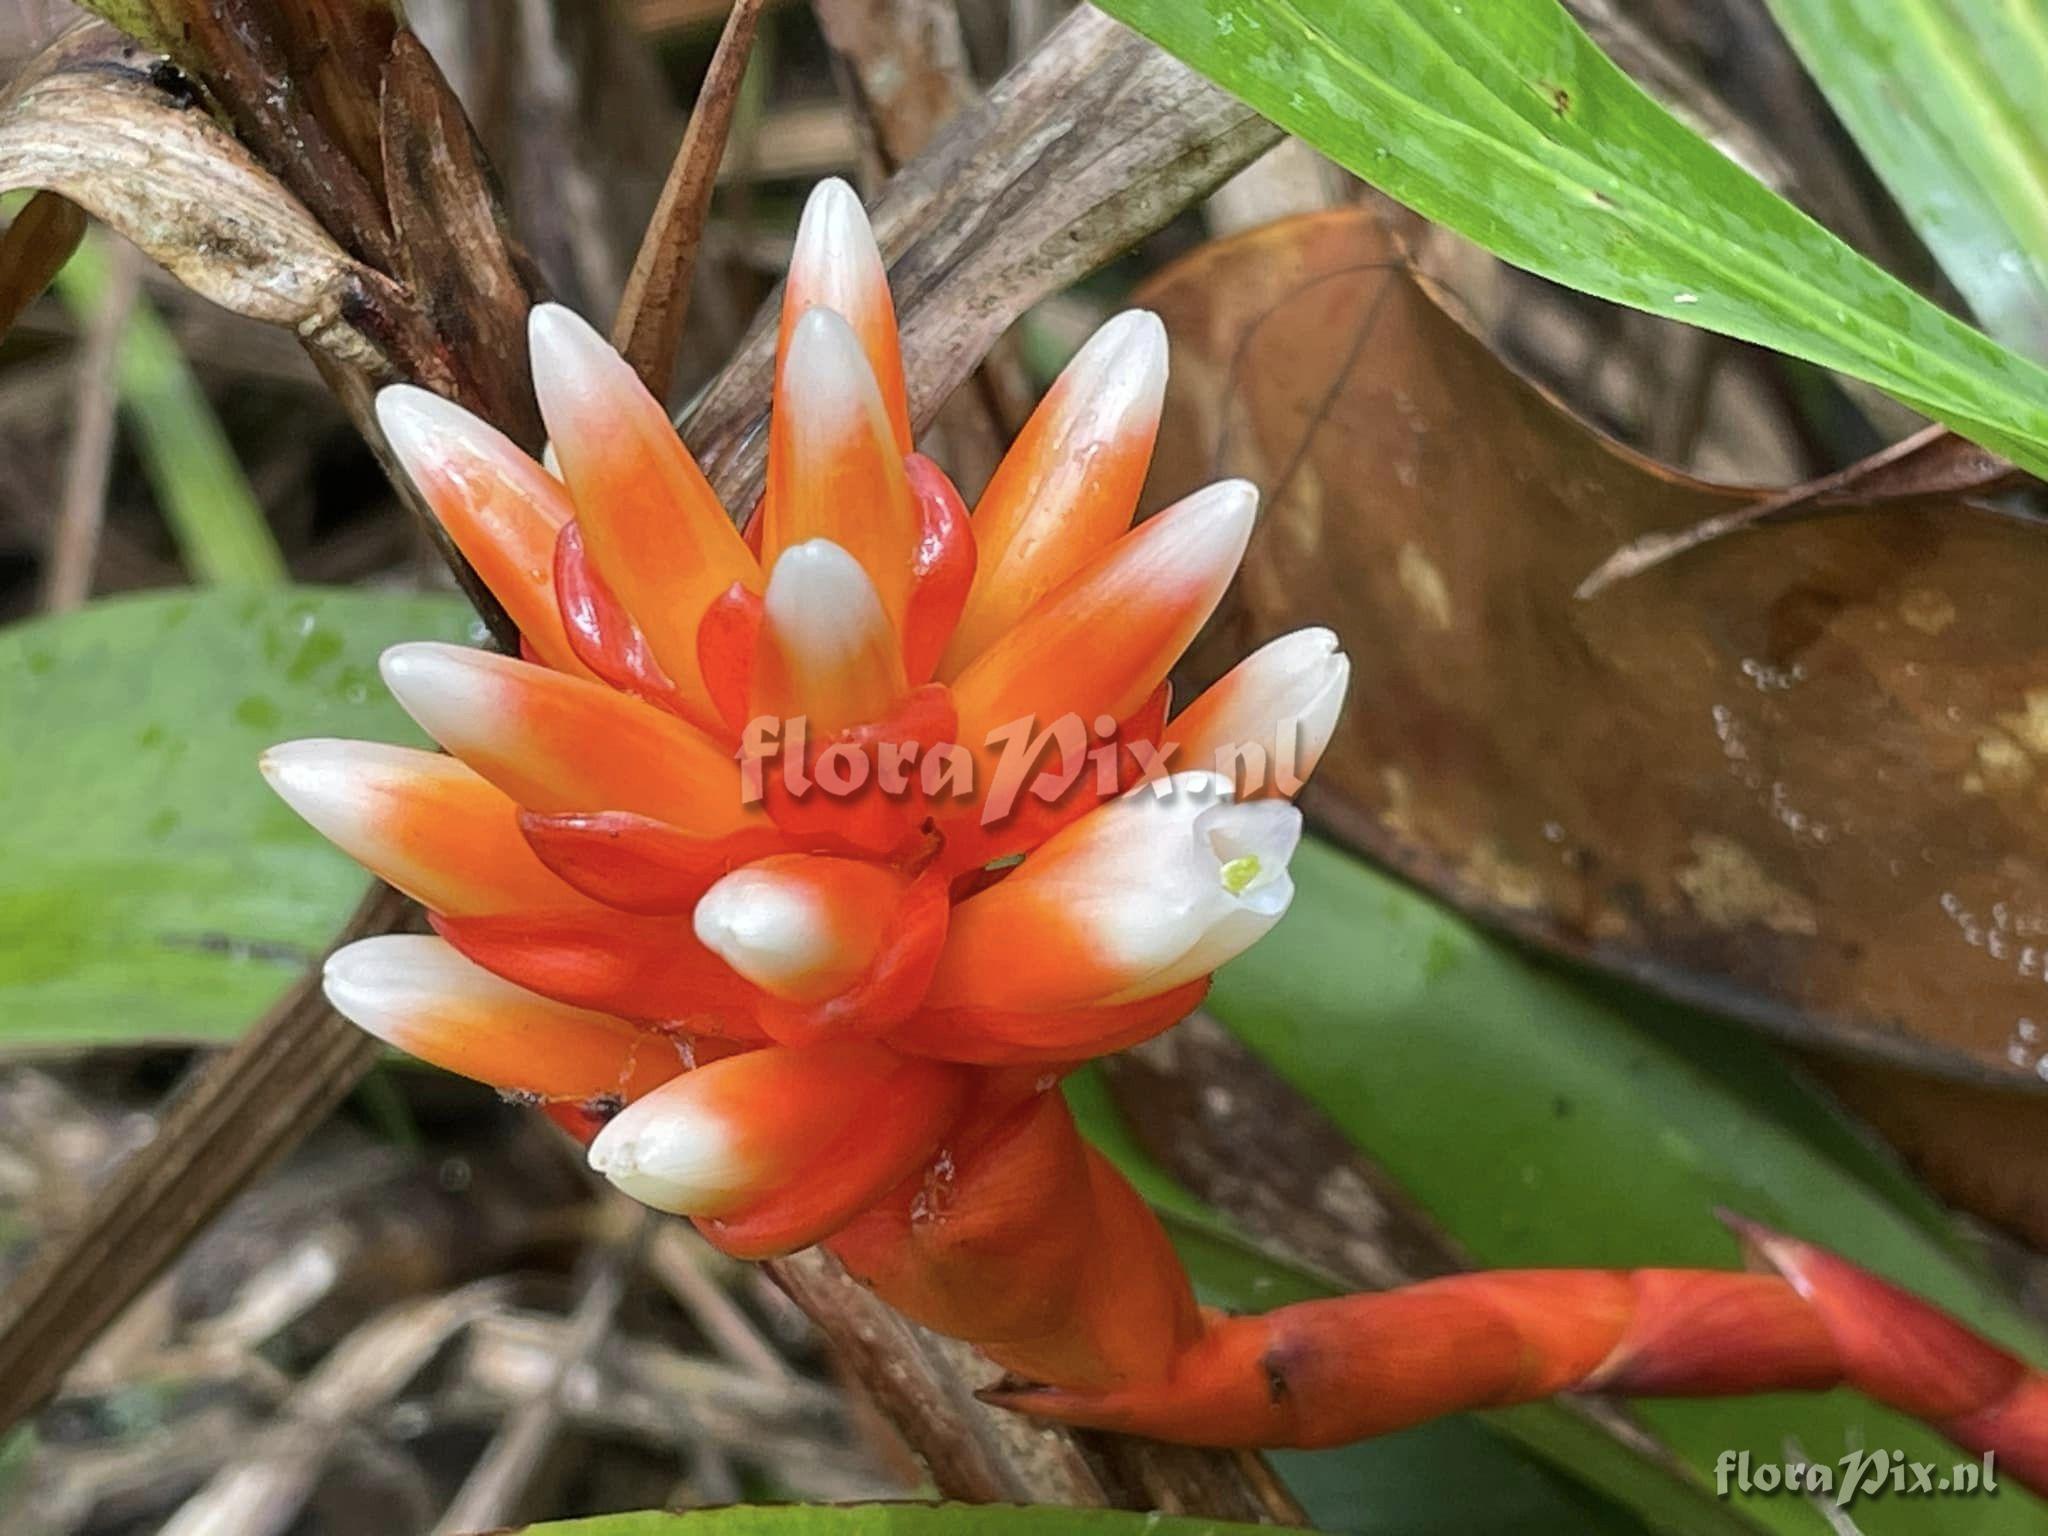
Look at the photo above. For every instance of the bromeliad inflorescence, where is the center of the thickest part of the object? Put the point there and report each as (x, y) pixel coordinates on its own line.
(791, 867)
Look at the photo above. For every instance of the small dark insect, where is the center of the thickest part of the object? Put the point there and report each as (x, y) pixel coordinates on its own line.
(180, 87)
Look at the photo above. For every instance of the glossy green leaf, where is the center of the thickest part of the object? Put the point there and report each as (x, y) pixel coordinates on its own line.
(219, 527)
(1543, 1123)
(891, 1520)
(151, 886)
(1502, 120)
(1937, 95)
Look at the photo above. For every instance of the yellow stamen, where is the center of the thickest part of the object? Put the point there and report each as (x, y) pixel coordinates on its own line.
(1239, 873)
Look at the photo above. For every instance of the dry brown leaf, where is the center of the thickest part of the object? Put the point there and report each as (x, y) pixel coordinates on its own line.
(38, 241)
(454, 257)
(245, 57)
(1932, 462)
(1801, 778)
(1977, 1148)
(335, 50)
(93, 121)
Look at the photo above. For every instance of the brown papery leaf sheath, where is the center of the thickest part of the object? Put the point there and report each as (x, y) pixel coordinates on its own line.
(38, 241)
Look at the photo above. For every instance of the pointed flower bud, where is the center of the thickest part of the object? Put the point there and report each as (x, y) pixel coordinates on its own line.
(834, 468)
(558, 743)
(827, 651)
(801, 927)
(435, 829)
(1141, 895)
(780, 1147)
(503, 511)
(1265, 723)
(1151, 591)
(651, 524)
(414, 992)
(1069, 484)
(836, 266)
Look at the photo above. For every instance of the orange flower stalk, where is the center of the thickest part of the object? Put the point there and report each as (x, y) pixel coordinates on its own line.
(791, 868)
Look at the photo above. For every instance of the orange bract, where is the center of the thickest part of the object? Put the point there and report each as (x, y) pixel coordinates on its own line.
(727, 871)
(769, 800)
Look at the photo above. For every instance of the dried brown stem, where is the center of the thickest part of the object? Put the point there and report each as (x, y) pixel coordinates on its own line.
(453, 255)
(649, 329)
(906, 69)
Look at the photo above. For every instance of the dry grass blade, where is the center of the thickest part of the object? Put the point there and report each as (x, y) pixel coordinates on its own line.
(649, 329)
(67, 578)
(1932, 462)
(676, 1257)
(35, 247)
(262, 1492)
(490, 1496)
(89, 121)
(242, 1112)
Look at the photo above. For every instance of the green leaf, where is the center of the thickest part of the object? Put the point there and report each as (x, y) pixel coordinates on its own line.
(1582, 1136)
(893, 1520)
(214, 516)
(151, 886)
(1502, 120)
(1937, 96)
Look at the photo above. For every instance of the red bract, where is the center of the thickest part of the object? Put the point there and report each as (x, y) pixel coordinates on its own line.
(791, 871)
